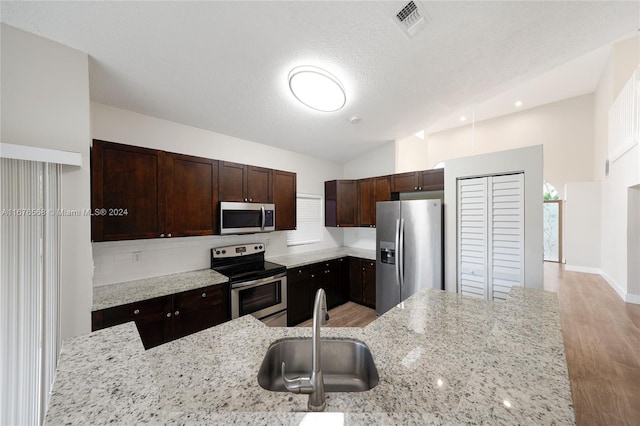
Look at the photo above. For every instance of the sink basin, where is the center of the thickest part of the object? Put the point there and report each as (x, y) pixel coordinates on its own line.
(347, 365)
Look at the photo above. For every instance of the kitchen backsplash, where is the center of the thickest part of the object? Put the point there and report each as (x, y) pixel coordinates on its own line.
(119, 261)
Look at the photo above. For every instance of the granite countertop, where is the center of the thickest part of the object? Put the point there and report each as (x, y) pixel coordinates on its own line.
(442, 359)
(108, 296)
(302, 259)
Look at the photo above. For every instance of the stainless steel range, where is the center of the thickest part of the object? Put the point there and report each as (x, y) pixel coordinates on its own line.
(258, 287)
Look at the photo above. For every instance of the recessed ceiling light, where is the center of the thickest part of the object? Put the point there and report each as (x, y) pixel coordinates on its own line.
(463, 118)
(518, 103)
(507, 403)
(317, 88)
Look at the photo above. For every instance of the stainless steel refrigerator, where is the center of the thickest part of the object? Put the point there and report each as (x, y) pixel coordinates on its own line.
(408, 250)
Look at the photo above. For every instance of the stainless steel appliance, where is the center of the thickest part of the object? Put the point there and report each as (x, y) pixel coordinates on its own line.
(258, 287)
(246, 218)
(408, 250)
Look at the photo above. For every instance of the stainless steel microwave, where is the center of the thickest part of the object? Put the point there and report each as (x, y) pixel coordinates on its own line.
(246, 218)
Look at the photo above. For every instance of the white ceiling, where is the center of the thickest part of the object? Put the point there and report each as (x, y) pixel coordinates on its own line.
(223, 66)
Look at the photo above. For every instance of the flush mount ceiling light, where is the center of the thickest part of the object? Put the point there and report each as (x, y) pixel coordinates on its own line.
(317, 88)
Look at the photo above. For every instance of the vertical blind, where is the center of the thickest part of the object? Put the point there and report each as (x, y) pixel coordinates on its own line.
(308, 220)
(29, 291)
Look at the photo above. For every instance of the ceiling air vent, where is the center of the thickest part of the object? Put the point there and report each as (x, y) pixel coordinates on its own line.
(411, 18)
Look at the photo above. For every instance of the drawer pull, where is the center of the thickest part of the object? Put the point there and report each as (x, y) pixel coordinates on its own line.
(168, 314)
(177, 313)
(204, 294)
(136, 312)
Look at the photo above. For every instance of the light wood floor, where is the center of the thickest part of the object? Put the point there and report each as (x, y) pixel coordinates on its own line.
(348, 315)
(602, 346)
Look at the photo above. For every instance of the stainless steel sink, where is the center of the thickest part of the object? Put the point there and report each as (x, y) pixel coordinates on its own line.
(347, 365)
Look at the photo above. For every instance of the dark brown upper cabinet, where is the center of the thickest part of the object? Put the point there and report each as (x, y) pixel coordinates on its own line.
(370, 191)
(243, 183)
(128, 191)
(146, 193)
(284, 198)
(341, 203)
(192, 195)
(425, 180)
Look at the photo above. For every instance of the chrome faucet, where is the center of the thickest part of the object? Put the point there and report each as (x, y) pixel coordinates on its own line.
(313, 385)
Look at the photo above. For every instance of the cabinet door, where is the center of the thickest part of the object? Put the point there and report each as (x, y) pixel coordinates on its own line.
(200, 309)
(329, 280)
(366, 203)
(432, 180)
(299, 289)
(343, 279)
(284, 198)
(382, 192)
(347, 203)
(258, 185)
(369, 283)
(405, 182)
(355, 280)
(231, 181)
(128, 182)
(192, 195)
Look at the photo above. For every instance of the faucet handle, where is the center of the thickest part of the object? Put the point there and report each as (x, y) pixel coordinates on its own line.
(298, 384)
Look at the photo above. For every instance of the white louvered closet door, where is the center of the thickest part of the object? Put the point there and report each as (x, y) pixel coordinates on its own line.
(472, 237)
(490, 235)
(506, 231)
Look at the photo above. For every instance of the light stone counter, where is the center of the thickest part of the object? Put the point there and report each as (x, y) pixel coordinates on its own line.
(302, 259)
(442, 359)
(108, 296)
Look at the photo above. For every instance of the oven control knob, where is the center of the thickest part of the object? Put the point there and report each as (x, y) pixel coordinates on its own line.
(260, 247)
(255, 248)
(224, 251)
(217, 251)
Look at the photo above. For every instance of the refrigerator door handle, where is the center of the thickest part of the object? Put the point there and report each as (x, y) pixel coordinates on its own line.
(398, 254)
(401, 250)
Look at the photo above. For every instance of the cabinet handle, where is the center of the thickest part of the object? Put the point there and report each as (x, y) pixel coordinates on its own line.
(313, 276)
(338, 225)
(204, 294)
(415, 188)
(299, 271)
(245, 200)
(250, 199)
(168, 314)
(420, 188)
(177, 313)
(371, 264)
(161, 235)
(136, 312)
(363, 269)
(169, 235)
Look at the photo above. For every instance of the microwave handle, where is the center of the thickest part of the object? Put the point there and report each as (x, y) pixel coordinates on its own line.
(263, 217)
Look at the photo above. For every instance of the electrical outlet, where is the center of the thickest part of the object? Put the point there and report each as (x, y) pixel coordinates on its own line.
(137, 256)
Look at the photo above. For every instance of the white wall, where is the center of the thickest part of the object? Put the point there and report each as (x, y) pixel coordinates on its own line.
(528, 160)
(377, 162)
(582, 227)
(45, 103)
(624, 173)
(564, 128)
(114, 260)
(412, 153)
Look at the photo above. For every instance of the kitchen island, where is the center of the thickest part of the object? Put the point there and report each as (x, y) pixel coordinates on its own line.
(442, 359)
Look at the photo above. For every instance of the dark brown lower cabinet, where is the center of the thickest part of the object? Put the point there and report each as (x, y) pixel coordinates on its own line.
(166, 318)
(304, 282)
(362, 281)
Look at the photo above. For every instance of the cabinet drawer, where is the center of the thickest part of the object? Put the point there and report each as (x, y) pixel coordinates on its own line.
(207, 296)
(130, 312)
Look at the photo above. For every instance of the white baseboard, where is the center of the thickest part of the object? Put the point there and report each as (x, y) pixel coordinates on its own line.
(629, 298)
(633, 298)
(585, 269)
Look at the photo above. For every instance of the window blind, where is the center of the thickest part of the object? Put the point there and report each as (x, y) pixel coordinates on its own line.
(309, 220)
(29, 291)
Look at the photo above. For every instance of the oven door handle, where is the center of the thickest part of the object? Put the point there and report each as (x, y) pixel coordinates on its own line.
(255, 283)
